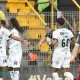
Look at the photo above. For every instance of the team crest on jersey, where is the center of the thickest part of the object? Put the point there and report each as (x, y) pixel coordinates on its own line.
(57, 62)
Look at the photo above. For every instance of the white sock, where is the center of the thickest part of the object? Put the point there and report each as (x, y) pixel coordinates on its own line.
(1, 78)
(14, 75)
(55, 76)
(69, 75)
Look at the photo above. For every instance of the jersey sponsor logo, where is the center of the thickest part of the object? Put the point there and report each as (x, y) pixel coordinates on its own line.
(63, 33)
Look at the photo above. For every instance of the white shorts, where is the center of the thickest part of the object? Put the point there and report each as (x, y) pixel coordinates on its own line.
(14, 61)
(61, 59)
(3, 61)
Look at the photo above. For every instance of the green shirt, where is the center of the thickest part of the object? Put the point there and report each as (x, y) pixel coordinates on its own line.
(41, 7)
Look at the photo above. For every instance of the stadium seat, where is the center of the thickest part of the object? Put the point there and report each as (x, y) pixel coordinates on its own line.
(22, 19)
(32, 35)
(16, 0)
(34, 24)
(12, 10)
(24, 9)
(21, 6)
(29, 20)
(35, 33)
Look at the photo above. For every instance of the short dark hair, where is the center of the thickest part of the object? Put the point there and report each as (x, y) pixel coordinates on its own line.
(60, 21)
(3, 22)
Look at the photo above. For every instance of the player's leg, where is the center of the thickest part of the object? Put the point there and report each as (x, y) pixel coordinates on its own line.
(56, 64)
(3, 64)
(66, 66)
(14, 73)
(14, 67)
(1, 76)
(55, 74)
(10, 68)
(67, 74)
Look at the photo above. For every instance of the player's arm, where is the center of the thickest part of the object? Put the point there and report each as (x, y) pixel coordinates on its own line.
(18, 39)
(15, 37)
(75, 52)
(54, 39)
(53, 42)
(41, 42)
(73, 40)
(72, 37)
(76, 48)
(74, 25)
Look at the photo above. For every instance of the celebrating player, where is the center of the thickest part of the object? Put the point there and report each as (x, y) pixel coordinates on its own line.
(61, 55)
(75, 52)
(4, 34)
(15, 50)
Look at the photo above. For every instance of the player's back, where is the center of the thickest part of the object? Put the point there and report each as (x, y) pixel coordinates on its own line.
(63, 37)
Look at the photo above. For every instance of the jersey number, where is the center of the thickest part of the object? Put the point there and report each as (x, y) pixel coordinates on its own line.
(65, 42)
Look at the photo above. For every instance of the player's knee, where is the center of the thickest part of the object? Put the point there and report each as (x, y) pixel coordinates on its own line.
(10, 68)
(69, 75)
(55, 76)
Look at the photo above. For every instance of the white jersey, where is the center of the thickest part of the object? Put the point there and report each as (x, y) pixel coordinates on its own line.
(4, 33)
(63, 37)
(14, 45)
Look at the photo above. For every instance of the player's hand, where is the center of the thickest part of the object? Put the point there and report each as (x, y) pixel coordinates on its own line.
(26, 42)
(39, 45)
(72, 59)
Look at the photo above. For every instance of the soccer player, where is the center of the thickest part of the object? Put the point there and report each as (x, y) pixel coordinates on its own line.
(75, 52)
(3, 24)
(15, 50)
(48, 35)
(4, 34)
(61, 55)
